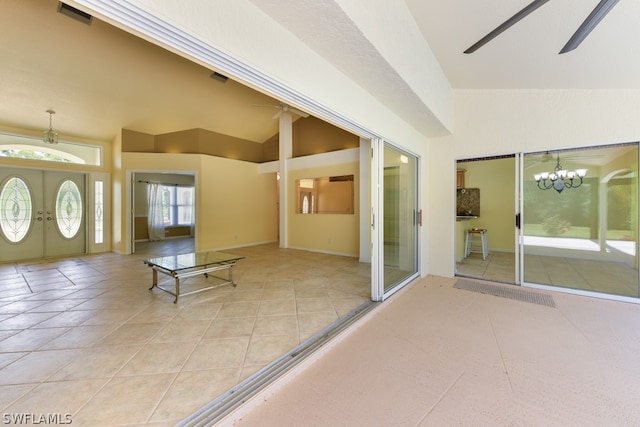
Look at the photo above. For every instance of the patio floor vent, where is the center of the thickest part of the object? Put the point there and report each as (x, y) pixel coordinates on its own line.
(506, 291)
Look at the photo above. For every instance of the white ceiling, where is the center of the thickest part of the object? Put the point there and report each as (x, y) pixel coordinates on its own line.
(526, 55)
(100, 79)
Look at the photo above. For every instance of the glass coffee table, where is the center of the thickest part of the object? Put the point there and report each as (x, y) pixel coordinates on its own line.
(189, 265)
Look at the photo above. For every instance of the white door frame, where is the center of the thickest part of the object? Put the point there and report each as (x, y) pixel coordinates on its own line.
(519, 232)
(377, 236)
(520, 241)
(377, 221)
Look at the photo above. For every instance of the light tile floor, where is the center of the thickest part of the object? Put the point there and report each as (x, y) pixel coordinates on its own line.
(85, 336)
(613, 278)
(498, 266)
(434, 355)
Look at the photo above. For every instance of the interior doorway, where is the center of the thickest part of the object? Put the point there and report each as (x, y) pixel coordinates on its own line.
(174, 210)
(486, 200)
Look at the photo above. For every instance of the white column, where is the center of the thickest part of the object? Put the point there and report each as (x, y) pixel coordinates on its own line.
(285, 153)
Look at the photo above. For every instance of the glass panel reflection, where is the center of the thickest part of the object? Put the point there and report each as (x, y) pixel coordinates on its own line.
(400, 217)
(584, 236)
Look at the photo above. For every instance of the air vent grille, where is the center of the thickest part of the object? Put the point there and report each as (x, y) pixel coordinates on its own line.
(219, 77)
(74, 13)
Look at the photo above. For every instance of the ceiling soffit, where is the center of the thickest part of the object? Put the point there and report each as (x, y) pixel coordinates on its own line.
(331, 32)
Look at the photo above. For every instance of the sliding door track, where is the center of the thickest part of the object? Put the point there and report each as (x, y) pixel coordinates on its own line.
(219, 408)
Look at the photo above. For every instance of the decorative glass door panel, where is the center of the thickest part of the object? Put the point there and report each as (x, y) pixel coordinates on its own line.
(580, 219)
(21, 214)
(15, 219)
(41, 214)
(69, 209)
(64, 214)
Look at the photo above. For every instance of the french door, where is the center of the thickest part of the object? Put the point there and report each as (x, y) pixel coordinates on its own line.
(395, 201)
(42, 214)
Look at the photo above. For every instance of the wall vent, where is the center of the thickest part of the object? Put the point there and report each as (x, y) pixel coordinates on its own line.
(219, 77)
(74, 13)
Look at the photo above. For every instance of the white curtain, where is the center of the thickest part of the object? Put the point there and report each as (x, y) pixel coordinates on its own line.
(155, 218)
(193, 212)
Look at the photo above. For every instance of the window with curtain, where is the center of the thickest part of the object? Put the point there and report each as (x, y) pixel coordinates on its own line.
(155, 216)
(177, 205)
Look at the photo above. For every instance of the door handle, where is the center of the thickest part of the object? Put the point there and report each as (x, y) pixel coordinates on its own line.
(420, 217)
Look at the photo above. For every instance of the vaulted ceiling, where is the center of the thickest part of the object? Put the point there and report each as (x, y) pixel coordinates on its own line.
(100, 79)
(526, 56)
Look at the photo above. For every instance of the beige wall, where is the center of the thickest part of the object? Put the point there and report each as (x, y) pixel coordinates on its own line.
(235, 204)
(496, 180)
(314, 136)
(310, 136)
(193, 141)
(331, 233)
(137, 142)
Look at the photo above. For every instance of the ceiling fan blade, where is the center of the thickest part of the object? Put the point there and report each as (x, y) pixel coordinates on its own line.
(266, 106)
(283, 107)
(298, 112)
(506, 24)
(589, 24)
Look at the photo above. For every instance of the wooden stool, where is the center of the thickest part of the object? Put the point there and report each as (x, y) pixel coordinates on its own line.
(476, 241)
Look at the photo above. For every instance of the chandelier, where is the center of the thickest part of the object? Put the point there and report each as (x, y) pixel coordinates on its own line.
(560, 179)
(50, 137)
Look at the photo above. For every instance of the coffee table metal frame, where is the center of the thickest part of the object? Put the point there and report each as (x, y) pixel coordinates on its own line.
(193, 264)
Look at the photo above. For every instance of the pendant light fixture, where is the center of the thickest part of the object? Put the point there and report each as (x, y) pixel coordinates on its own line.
(560, 178)
(50, 136)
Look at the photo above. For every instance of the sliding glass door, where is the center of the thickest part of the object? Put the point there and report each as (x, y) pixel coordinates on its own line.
(580, 220)
(396, 232)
